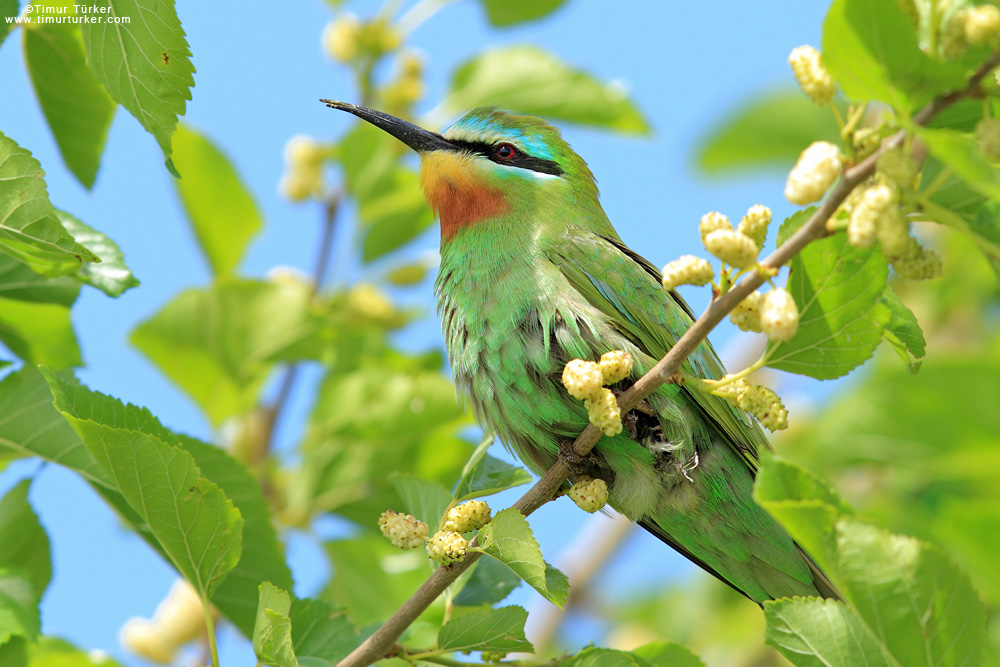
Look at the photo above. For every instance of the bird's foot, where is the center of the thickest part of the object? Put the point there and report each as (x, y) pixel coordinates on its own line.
(578, 465)
(630, 420)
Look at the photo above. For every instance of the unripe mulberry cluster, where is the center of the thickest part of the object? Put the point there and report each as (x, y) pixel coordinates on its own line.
(737, 247)
(975, 26)
(467, 517)
(589, 494)
(178, 620)
(586, 380)
(818, 167)
(779, 316)
(403, 530)
(816, 82)
(877, 216)
(304, 176)
(759, 401)
(346, 38)
(447, 547)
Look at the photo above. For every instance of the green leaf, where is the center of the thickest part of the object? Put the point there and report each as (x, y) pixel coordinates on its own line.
(272, 633)
(903, 331)
(911, 596)
(18, 281)
(29, 228)
(221, 210)
(500, 630)
(769, 130)
(813, 632)
(14, 653)
(18, 606)
(8, 8)
(504, 13)
(198, 528)
(39, 333)
(76, 106)
(509, 539)
(535, 82)
(409, 274)
(804, 505)
(111, 275)
(606, 657)
(423, 499)
(491, 581)
(321, 630)
(395, 217)
(870, 48)
(372, 578)
(837, 288)
(949, 199)
(488, 477)
(667, 654)
(962, 153)
(262, 557)
(217, 344)
(778, 480)
(55, 652)
(31, 426)
(24, 546)
(144, 64)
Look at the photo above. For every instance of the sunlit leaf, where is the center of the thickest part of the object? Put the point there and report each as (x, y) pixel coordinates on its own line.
(837, 288)
(111, 275)
(667, 654)
(24, 545)
(503, 13)
(39, 333)
(423, 499)
(19, 282)
(321, 630)
(18, 606)
(498, 630)
(76, 106)
(272, 633)
(535, 82)
(29, 228)
(221, 210)
(870, 48)
(909, 593)
(903, 331)
(262, 557)
(31, 426)
(197, 526)
(8, 9)
(144, 64)
(491, 581)
(509, 539)
(770, 130)
(813, 632)
(218, 344)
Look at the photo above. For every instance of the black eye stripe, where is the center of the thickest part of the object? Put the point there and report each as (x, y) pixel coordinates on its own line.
(522, 160)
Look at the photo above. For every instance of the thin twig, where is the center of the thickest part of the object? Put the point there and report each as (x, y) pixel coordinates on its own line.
(379, 643)
(273, 412)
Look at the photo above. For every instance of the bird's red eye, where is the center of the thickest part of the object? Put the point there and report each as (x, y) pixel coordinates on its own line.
(506, 152)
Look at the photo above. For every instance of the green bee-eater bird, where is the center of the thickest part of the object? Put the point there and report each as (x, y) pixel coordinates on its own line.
(534, 275)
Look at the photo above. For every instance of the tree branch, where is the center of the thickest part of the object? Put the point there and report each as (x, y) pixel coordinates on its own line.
(273, 412)
(382, 640)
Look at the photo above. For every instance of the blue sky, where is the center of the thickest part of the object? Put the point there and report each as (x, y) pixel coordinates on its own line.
(260, 71)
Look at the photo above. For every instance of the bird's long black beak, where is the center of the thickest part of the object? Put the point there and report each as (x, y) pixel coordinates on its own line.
(414, 136)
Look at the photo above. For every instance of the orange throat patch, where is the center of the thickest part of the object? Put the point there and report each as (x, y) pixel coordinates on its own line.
(456, 191)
